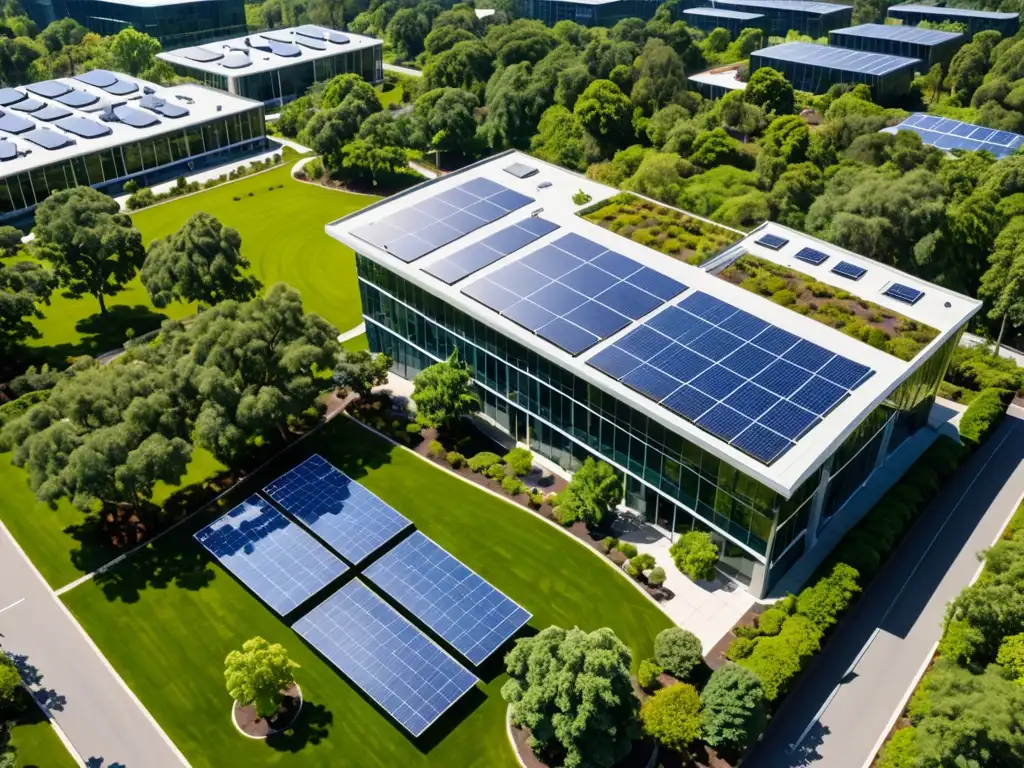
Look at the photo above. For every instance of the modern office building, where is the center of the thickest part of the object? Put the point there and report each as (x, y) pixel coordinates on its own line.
(947, 134)
(101, 129)
(815, 68)
(589, 13)
(1005, 23)
(931, 46)
(733, 22)
(279, 66)
(807, 18)
(722, 410)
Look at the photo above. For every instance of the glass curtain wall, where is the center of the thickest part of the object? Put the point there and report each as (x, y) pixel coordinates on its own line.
(553, 11)
(818, 78)
(174, 24)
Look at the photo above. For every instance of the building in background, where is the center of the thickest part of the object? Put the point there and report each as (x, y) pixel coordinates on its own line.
(589, 13)
(807, 18)
(1004, 23)
(723, 411)
(931, 46)
(279, 66)
(733, 22)
(102, 128)
(815, 68)
(947, 134)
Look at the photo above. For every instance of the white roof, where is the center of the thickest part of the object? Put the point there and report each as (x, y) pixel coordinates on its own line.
(258, 47)
(555, 200)
(727, 77)
(203, 105)
(932, 10)
(154, 3)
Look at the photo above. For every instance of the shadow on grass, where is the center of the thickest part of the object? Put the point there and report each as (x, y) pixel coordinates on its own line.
(175, 560)
(311, 728)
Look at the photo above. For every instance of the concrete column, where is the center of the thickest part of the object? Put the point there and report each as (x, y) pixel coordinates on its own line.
(758, 581)
(883, 446)
(817, 503)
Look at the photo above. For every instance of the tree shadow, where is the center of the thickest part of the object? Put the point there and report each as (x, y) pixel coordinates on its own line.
(98, 762)
(311, 727)
(171, 561)
(33, 678)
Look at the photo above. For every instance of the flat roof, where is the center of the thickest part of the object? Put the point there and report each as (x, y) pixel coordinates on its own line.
(831, 57)
(267, 51)
(806, 6)
(899, 32)
(723, 13)
(948, 134)
(724, 78)
(551, 189)
(155, 3)
(148, 110)
(933, 10)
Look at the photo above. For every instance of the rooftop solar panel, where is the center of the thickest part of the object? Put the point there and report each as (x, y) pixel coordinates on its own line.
(47, 139)
(272, 556)
(49, 114)
(27, 105)
(121, 88)
(162, 106)
(805, 6)
(900, 32)
(48, 89)
(285, 50)
(832, 57)
(77, 99)
(134, 117)
(401, 669)
(950, 134)
(236, 60)
(201, 55)
(309, 42)
(321, 33)
(463, 609)
(349, 518)
(948, 11)
(84, 127)
(485, 252)
(848, 270)
(772, 241)
(15, 124)
(10, 96)
(811, 256)
(8, 150)
(99, 78)
(904, 293)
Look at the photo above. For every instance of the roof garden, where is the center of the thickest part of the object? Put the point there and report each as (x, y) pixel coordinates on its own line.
(859, 318)
(664, 229)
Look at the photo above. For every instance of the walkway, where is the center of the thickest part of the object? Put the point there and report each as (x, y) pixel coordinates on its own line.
(402, 70)
(841, 711)
(101, 718)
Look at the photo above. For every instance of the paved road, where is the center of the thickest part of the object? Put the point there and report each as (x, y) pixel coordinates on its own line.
(842, 708)
(104, 722)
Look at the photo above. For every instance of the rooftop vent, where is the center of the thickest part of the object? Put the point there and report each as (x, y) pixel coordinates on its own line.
(521, 170)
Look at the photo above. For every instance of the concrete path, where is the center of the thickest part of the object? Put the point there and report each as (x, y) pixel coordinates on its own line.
(105, 723)
(422, 170)
(839, 714)
(402, 70)
(352, 333)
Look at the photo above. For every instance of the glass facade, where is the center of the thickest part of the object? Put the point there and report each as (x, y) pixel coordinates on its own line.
(1005, 24)
(672, 482)
(818, 78)
(152, 159)
(606, 15)
(173, 24)
(781, 18)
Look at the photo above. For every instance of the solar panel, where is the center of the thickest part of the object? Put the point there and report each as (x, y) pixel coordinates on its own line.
(401, 669)
(162, 106)
(835, 58)
(49, 114)
(201, 55)
(900, 32)
(811, 256)
(349, 518)
(48, 89)
(752, 384)
(10, 96)
(521, 170)
(309, 42)
(82, 126)
(903, 293)
(848, 270)
(8, 150)
(236, 60)
(134, 117)
(47, 139)
(100, 78)
(77, 99)
(475, 257)
(28, 105)
(282, 564)
(121, 88)
(574, 292)
(15, 124)
(463, 609)
(772, 241)
(950, 134)
(415, 231)
(285, 50)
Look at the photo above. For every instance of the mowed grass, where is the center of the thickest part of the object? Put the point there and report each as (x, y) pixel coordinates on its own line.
(36, 744)
(283, 237)
(181, 630)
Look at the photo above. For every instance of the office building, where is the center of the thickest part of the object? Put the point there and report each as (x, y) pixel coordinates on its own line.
(807, 18)
(931, 46)
(279, 66)
(1004, 23)
(948, 134)
(816, 68)
(723, 411)
(734, 22)
(102, 128)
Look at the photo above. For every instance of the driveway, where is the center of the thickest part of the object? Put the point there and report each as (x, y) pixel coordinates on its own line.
(842, 709)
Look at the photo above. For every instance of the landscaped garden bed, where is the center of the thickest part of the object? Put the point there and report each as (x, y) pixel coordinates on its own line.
(670, 231)
(864, 320)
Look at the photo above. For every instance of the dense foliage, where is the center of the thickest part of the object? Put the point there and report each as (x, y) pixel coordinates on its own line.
(673, 716)
(256, 675)
(443, 393)
(678, 652)
(696, 555)
(593, 492)
(735, 710)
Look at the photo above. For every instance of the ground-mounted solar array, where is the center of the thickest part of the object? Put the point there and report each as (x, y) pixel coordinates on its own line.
(483, 253)
(413, 232)
(948, 134)
(574, 292)
(281, 563)
(349, 518)
(396, 665)
(463, 609)
(746, 381)
(831, 57)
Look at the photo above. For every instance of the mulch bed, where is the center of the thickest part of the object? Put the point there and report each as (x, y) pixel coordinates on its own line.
(716, 656)
(261, 727)
(638, 758)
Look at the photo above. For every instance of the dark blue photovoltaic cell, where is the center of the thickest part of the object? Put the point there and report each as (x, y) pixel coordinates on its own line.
(598, 319)
(772, 241)
(628, 300)
(688, 402)
(47, 139)
(722, 421)
(751, 400)
(782, 378)
(396, 665)
(529, 315)
(49, 114)
(851, 271)
(775, 340)
(811, 256)
(492, 248)
(680, 363)
(744, 324)
(788, 420)
(580, 246)
(281, 563)
(15, 124)
(651, 382)
(10, 96)
(28, 105)
(951, 134)
(656, 283)
(569, 337)
(707, 307)
(715, 344)
(48, 89)
(77, 99)
(845, 372)
(717, 382)
(121, 88)
(466, 611)
(614, 361)
(763, 444)
(557, 298)
(903, 293)
(819, 396)
(97, 77)
(748, 361)
(349, 518)
(808, 355)
(642, 342)
(589, 280)
(551, 262)
(490, 295)
(616, 264)
(134, 117)
(84, 127)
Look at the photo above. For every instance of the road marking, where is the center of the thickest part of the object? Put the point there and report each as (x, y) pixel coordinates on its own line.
(16, 602)
(814, 720)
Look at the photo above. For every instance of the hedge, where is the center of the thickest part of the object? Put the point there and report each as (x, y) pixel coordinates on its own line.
(984, 414)
(15, 408)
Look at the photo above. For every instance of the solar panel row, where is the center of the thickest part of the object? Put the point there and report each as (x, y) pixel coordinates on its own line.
(483, 253)
(844, 59)
(948, 134)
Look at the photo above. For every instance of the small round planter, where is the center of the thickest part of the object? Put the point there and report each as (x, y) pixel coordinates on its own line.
(250, 725)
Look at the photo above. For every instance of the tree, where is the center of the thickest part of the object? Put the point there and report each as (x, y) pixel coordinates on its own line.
(467, 65)
(522, 41)
(561, 139)
(660, 76)
(23, 285)
(10, 682)
(605, 112)
(678, 651)
(445, 37)
(735, 710)
(716, 147)
(449, 118)
(1003, 282)
(200, 262)
(769, 89)
(327, 13)
(133, 51)
(443, 393)
(514, 106)
(696, 555)
(406, 32)
(367, 163)
(361, 371)
(660, 176)
(592, 494)
(572, 81)
(673, 716)
(352, 92)
(257, 675)
(94, 248)
(740, 116)
(594, 725)
(1011, 657)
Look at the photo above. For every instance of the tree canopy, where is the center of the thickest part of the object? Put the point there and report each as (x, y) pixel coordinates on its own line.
(443, 393)
(257, 674)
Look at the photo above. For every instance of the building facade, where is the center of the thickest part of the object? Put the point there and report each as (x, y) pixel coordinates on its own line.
(589, 13)
(806, 17)
(816, 68)
(733, 22)
(930, 46)
(1005, 23)
(763, 521)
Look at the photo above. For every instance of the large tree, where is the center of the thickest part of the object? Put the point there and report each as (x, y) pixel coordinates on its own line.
(1003, 283)
(200, 262)
(572, 689)
(257, 674)
(361, 371)
(735, 710)
(443, 393)
(514, 107)
(594, 491)
(23, 286)
(769, 89)
(562, 139)
(605, 111)
(94, 248)
(133, 51)
(448, 116)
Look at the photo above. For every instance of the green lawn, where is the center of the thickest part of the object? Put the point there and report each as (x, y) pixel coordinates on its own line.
(394, 96)
(35, 743)
(182, 627)
(282, 236)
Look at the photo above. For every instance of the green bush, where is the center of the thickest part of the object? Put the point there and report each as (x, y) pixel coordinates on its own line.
(901, 751)
(983, 415)
(656, 577)
(456, 459)
(777, 660)
(512, 485)
(15, 408)
(608, 543)
(495, 471)
(673, 716)
(628, 549)
(678, 651)
(520, 461)
(638, 564)
(741, 647)
(435, 450)
(770, 622)
(825, 601)
(483, 461)
(648, 673)
(735, 710)
(413, 429)
(696, 555)
(536, 499)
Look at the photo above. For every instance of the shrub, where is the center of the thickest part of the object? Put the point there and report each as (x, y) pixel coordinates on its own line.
(678, 651)
(455, 458)
(826, 600)
(496, 472)
(901, 751)
(483, 461)
(594, 491)
(520, 461)
(656, 577)
(435, 450)
(1011, 656)
(581, 198)
(648, 673)
(628, 549)
(638, 564)
(536, 499)
(777, 660)
(983, 415)
(551, 499)
(770, 622)
(695, 555)
(131, 186)
(608, 543)
(512, 485)
(741, 647)
(735, 709)
(672, 716)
